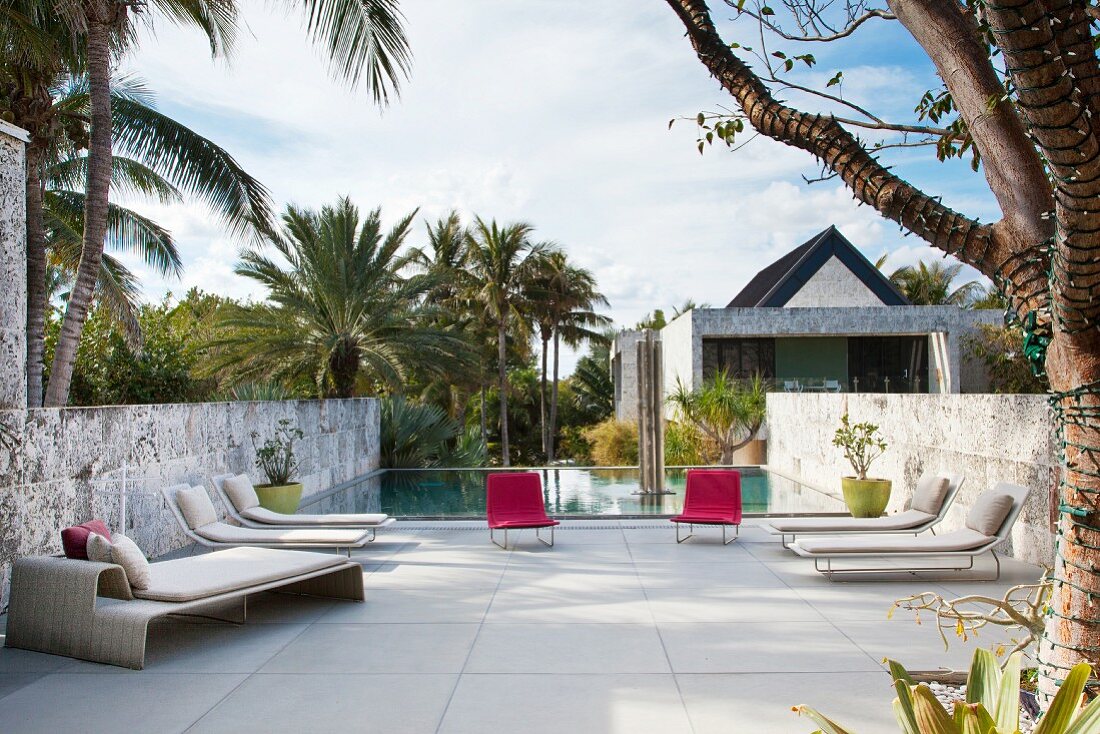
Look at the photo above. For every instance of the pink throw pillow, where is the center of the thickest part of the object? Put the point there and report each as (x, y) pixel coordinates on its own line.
(75, 539)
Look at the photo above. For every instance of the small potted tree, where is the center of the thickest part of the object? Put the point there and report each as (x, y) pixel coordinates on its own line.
(862, 445)
(275, 458)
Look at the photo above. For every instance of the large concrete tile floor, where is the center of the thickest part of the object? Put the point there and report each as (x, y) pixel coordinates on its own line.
(617, 630)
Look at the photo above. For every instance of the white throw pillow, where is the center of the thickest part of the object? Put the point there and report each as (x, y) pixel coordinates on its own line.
(989, 513)
(241, 493)
(124, 552)
(196, 507)
(930, 494)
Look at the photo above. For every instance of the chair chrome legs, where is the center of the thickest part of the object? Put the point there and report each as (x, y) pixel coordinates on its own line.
(691, 533)
(829, 571)
(538, 537)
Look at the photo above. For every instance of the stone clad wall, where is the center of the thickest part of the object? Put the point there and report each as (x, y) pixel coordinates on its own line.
(13, 269)
(986, 438)
(64, 464)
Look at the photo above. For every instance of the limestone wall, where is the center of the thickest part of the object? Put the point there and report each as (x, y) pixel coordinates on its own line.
(13, 268)
(986, 438)
(63, 465)
(834, 284)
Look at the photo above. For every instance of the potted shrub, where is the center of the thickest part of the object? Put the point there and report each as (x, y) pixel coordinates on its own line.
(862, 445)
(275, 458)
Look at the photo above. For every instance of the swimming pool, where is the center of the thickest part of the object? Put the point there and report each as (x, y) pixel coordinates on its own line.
(568, 492)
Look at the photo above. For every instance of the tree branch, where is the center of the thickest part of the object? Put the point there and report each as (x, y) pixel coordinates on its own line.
(838, 149)
(843, 33)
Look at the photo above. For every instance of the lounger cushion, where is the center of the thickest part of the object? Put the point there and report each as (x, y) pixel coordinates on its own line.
(74, 540)
(196, 507)
(989, 512)
(124, 552)
(900, 521)
(222, 572)
(240, 491)
(264, 515)
(930, 493)
(958, 540)
(221, 532)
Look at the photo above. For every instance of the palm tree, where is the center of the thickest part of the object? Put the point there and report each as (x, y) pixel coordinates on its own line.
(501, 261)
(727, 411)
(931, 284)
(363, 37)
(593, 388)
(563, 298)
(341, 313)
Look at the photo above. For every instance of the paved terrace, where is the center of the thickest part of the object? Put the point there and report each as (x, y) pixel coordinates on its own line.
(616, 630)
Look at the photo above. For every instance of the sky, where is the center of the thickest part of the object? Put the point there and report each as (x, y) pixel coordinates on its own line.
(552, 112)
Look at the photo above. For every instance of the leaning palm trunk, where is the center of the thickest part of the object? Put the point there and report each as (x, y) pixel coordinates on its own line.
(546, 450)
(36, 277)
(553, 402)
(101, 16)
(502, 348)
(1044, 253)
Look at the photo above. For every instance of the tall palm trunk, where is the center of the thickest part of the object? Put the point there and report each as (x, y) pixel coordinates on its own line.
(553, 401)
(484, 427)
(101, 15)
(36, 277)
(502, 348)
(542, 398)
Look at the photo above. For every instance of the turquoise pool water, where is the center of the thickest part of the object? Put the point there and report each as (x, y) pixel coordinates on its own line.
(568, 492)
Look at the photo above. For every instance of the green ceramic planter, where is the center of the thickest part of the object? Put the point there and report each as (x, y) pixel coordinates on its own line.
(282, 498)
(866, 497)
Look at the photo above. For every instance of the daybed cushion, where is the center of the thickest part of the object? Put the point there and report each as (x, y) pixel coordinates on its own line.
(240, 491)
(222, 572)
(264, 515)
(989, 512)
(221, 532)
(124, 552)
(958, 540)
(74, 540)
(930, 493)
(196, 507)
(900, 521)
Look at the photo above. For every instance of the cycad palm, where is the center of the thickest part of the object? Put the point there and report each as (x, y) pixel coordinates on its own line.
(341, 311)
(501, 261)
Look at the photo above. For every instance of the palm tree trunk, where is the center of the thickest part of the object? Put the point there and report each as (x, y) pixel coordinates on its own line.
(553, 402)
(36, 277)
(484, 427)
(100, 16)
(542, 400)
(502, 348)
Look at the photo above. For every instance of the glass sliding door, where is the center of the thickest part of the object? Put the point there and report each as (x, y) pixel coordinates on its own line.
(888, 363)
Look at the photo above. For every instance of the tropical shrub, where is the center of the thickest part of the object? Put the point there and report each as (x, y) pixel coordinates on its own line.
(992, 704)
(685, 446)
(1000, 351)
(725, 410)
(614, 443)
(416, 436)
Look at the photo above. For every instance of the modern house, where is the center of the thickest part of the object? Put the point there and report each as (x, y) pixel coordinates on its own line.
(822, 317)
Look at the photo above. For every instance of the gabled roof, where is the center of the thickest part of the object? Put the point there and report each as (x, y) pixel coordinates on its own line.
(776, 284)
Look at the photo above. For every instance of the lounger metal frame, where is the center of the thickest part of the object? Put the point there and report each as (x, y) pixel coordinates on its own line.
(537, 536)
(1019, 495)
(954, 482)
(691, 531)
(170, 499)
(219, 488)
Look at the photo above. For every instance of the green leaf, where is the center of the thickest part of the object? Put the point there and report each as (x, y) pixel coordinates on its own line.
(931, 718)
(766, 11)
(1007, 710)
(1089, 720)
(788, 64)
(1066, 703)
(828, 726)
(779, 54)
(982, 683)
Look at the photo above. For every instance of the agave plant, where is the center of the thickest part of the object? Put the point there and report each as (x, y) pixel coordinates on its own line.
(992, 704)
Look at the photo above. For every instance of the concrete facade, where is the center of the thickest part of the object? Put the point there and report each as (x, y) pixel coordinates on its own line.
(986, 438)
(65, 465)
(13, 268)
(834, 285)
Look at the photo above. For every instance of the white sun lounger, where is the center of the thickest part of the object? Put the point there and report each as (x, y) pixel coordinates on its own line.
(216, 534)
(965, 543)
(261, 518)
(907, 522)
(63, 606)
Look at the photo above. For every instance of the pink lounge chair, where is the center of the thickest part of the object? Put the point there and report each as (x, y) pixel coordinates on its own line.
(712, 497)
(515, 501)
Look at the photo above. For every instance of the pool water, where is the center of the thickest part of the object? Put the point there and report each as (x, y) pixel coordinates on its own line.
(568, 492)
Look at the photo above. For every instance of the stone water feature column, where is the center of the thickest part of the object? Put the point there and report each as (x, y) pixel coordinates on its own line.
(13, 268)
